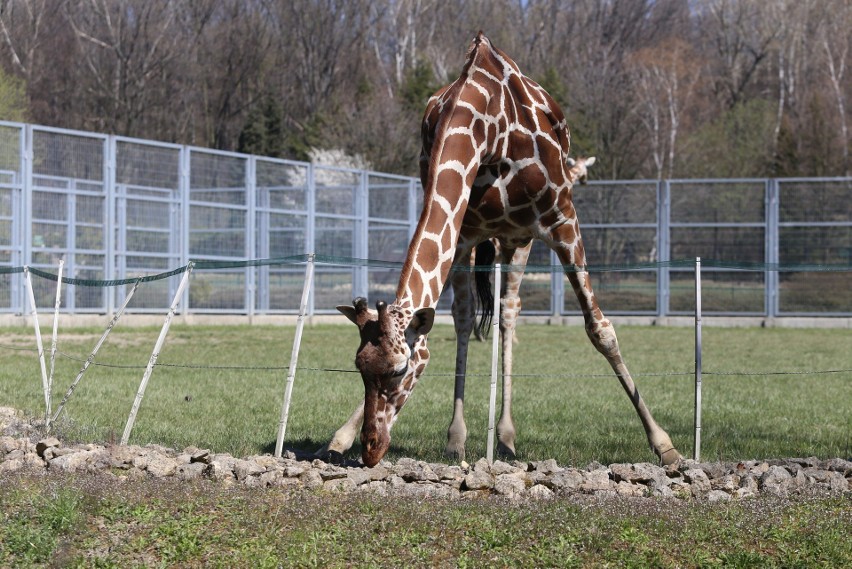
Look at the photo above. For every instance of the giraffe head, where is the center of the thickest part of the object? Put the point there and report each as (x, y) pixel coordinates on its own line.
(391, 357)
(578, 170)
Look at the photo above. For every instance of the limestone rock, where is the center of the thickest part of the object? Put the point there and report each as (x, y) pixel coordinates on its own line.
(45, 444)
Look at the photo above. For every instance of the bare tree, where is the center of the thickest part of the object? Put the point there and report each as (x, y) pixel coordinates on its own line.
(21, 28)
(125, 47)
(665, 77)
(742, 34)
(834, 39)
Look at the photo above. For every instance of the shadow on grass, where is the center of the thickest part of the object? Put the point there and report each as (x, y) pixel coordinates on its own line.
(307, 449)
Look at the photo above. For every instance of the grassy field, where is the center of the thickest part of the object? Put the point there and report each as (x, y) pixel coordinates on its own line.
(96, 521)
(568, 407)
(222, 387)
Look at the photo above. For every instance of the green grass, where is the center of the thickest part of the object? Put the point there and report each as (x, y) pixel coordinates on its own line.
(97, 521)
(568, 405)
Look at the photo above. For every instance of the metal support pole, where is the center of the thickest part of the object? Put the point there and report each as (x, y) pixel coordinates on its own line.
(495, 345)
(697, 450)
(91, 357)
(155, 354)
(53, 342)
(294, 356)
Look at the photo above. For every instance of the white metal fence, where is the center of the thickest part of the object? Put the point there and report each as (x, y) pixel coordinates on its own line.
(115, 208)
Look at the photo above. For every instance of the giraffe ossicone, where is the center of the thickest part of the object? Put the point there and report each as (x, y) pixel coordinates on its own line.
(494, 163)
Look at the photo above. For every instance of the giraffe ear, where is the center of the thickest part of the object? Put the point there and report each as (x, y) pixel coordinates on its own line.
(590, 161)
(348, 312)
(571, 162)
(422, 321)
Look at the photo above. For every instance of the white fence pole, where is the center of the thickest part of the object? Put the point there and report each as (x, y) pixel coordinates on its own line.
(34, 313)
(294, 356)
(495, 348)
(91, 357)
(155, 354)
(697, 449)
(53, 341)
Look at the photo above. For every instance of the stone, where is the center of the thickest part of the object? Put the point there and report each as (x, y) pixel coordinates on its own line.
(190, 471)
(342, 485)
(548, 466)
(509, 485)
(568, 479)
(838, 465)
(161, 466)
(202, 456)
(331, 472)
(311, 479)
(718, 496)
(359, 476)
(71, 462)
(478, 480)
(642, 473)
(11, 465)
(540, 492)
(776, 480)
(377, 472)
(625, 488)
(499, 467)
(221, 468)
(727, 483)
(245, 468)
(452, 473)
(294, 471)
(45, 444)
(699, 482)
(748, 487)
(8, 444)
(596, 481)
(809, 462)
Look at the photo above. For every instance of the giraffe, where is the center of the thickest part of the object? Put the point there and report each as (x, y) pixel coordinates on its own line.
(493, 164)
(464, 314)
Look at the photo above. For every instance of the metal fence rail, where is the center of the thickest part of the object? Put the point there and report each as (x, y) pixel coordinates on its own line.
(116, 208)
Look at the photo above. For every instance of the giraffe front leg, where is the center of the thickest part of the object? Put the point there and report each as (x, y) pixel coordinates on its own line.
(464, 313)
(602, 335)
(343, 438)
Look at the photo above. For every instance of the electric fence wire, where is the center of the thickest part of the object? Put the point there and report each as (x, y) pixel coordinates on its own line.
(732, 373)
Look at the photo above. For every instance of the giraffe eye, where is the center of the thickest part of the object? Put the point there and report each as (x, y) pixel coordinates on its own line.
(399, 373)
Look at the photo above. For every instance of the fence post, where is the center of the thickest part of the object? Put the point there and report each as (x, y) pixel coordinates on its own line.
(697, 448)
(495, 345)
(53, 341)
(155, 354)
(34, 313)
(294, 356)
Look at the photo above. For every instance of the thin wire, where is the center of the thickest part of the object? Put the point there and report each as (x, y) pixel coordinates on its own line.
(17, 348)
(448, 374)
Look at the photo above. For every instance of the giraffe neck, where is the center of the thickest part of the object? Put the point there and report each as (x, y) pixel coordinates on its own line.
(453, 157)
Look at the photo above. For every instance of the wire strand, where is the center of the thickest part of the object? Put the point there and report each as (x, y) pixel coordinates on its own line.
(443, 374)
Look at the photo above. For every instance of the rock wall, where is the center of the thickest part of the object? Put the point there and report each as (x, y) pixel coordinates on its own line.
(22, 450)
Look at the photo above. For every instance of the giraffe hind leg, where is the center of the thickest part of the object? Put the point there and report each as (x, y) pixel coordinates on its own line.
(510, 307)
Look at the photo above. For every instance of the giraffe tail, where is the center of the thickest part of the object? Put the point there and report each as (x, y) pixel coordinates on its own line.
(485, 255)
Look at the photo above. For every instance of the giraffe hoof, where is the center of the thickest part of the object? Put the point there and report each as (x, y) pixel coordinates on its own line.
(505, 452)
(330, 456)
(670, 456)
(455, 454)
